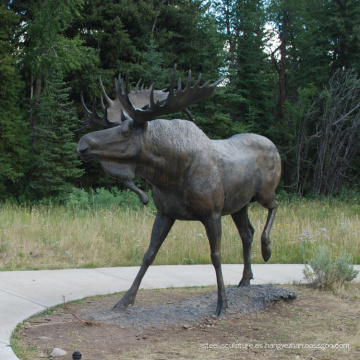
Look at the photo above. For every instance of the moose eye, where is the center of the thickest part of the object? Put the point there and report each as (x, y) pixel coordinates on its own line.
(125, 133)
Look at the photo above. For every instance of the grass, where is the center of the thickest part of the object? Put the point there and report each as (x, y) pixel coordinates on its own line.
(54, 237)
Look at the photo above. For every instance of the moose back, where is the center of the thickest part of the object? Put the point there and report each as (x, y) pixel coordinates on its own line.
(193, 177)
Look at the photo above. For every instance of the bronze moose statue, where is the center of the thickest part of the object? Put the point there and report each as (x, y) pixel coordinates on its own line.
(193, 177)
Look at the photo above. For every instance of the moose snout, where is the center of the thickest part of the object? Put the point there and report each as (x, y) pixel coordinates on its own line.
(84, 150)
(84, 153)
(82, 147)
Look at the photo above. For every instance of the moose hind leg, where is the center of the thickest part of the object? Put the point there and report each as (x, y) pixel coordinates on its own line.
(161, 228)
(246, 232)
(213, 231)
(265, 237)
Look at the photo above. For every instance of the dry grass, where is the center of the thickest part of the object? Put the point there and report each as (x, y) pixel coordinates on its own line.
(61, 237)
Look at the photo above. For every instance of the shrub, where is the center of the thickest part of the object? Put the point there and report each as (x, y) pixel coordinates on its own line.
(102, 198)
(328, 273)
(78, 198)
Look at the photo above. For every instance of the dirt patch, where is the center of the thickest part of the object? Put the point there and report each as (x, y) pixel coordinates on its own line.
(317, 325)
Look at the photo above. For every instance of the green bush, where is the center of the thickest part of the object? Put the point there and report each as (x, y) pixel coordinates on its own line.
(101, 198)
(329, 273)
(78, 198)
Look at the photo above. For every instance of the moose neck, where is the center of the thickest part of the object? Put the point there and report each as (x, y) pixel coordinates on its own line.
(169, 148)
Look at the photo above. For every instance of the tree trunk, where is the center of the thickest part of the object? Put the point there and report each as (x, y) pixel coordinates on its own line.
(35, 98)
(280, 67)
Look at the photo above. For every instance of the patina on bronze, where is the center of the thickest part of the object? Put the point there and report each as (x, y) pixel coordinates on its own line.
(193, 177)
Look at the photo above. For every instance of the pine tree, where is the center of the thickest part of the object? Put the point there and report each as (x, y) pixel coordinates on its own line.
(249, 90)
(55, 163)
(48, 57)
(14, 135)
(340, 21)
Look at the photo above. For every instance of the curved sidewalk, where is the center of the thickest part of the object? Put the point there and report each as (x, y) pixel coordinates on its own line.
(25, 293)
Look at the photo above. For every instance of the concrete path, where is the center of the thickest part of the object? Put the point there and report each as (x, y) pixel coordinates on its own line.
(25, 293)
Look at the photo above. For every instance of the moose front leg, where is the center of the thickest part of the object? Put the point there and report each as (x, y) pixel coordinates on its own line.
(142, 196)
(213, 231)
(161, 228)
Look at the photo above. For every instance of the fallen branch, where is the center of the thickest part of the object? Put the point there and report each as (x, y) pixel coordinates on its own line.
(77, 317)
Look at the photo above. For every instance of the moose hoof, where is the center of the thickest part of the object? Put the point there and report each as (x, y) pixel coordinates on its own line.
(144, 199)
(219, 313)
(266, 253)
(221, 309)
(244, 282)
(122, 305)
(119, 307)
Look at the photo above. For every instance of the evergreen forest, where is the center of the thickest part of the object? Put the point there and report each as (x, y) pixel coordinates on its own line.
(290, 68)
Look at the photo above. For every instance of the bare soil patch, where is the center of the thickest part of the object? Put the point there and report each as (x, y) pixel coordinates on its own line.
(317, 325)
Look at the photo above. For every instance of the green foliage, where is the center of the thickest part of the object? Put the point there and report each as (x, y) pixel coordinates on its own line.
(329, 273)
(340, 23)
(102, 198)
(80, 40)
(14, 135)
(350, 195)
(54, 161)
(45, 44)
(78, 198)
(249, 90)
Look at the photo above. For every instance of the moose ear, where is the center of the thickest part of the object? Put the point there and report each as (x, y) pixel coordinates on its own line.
(124, 116)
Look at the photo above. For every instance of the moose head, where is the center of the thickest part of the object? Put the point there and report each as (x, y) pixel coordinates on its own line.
(123, 142)
(193, 177)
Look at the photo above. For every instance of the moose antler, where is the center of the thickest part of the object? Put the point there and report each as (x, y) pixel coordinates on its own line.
(93, 119)
(177, 100)
(140, 97)
(143, 104)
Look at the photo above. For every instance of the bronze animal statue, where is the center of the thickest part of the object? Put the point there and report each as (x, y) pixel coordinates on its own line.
(193, 177)
(139, 97)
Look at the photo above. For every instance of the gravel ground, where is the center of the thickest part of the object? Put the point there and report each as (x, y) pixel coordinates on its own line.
(241, 300)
